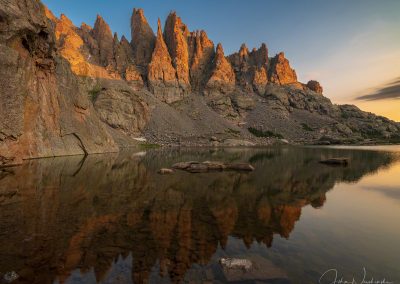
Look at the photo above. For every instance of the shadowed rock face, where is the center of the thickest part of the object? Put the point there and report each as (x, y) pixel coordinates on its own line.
(73, 214)
(44, 111)
(315, 86)
(251, 68)
(102, 34)
(201, 54)
(143, 39)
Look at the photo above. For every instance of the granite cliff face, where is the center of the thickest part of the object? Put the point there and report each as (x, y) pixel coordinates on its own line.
(143, 39)
(251, 68)
(73, 90)
(280, 71)
(162, 77)
(201, 54)
(43, 108)
(176, 34)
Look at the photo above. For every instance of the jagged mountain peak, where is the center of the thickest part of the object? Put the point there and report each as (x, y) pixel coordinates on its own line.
(176, 35)
(159, 29)
(220, 50)
(86, 27)
(101, 25)
(143, 38)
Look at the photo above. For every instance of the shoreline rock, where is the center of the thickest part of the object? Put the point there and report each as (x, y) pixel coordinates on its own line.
(165, 171)
(336, 161)
(212, 166)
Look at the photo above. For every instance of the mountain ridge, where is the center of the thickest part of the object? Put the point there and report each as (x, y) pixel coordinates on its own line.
(70, 90)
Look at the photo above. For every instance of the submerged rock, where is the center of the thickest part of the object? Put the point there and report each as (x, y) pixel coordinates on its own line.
(236, 263)
(182, 165)
(336, 161)
(10, 277)
(197, 168)
(252, 269)
(165, 171)
(209, 166)
(240, 167)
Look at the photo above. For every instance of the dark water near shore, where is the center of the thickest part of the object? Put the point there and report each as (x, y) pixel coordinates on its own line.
(113, 219)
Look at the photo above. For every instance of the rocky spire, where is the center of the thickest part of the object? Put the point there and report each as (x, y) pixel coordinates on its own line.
(250, 68)
(176, 35)
(223, 76)
(63, 25)
(103, 35)
(143, 38)
(243, 53)
(260, 67)
(201, 53)
(260, 56)
(280, 71)
(122, 53)
(125, 63)
(161, 73)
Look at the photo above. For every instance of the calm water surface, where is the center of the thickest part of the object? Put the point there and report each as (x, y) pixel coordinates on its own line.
(113, 219)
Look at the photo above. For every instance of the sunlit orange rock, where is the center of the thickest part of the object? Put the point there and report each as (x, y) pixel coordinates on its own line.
(280, 71)
(222, 77)
(176, 36)
(162, 75)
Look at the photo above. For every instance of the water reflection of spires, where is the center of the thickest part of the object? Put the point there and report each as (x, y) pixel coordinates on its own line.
(88, 214)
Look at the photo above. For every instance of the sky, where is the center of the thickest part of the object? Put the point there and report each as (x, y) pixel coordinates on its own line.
(352, 47)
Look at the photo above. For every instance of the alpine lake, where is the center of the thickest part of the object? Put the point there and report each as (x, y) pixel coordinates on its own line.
(112, 218)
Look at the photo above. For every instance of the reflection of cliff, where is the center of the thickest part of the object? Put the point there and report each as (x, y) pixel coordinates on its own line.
(61, 214)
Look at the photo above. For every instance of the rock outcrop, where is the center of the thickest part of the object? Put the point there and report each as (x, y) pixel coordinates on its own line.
(280, 71)
(176, 36)
(242, 66)
(315, 86)
(103, 35)
(162, 75)
(220, 85)
(201, 54)
(222, 78)
(143, 38)
(125, 63)
(80, 48)
(122, 110)
(251, 68)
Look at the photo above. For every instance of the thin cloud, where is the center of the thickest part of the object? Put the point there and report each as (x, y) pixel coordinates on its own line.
(388, 91)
